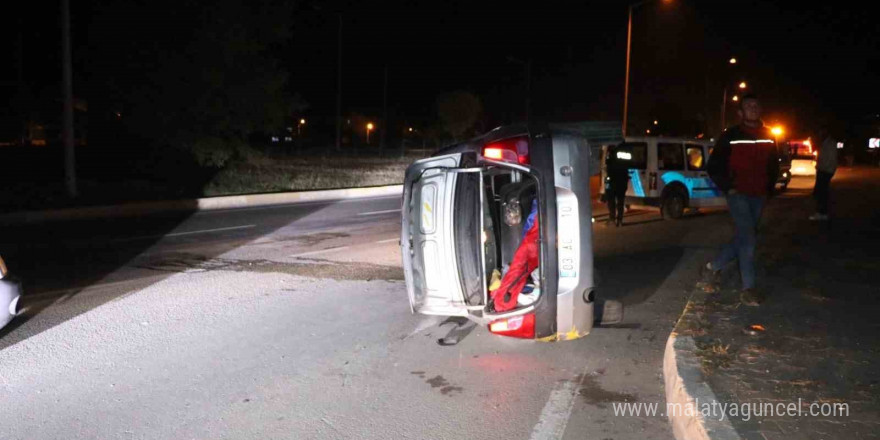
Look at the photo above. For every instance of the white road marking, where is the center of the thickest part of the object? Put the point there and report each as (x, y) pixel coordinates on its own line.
(388, 241)
(177, 234)
(296, 205)
(339, 248)
(379, 212)
(554, 416)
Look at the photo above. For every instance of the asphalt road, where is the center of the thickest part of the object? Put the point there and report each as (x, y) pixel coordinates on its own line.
(292, 322)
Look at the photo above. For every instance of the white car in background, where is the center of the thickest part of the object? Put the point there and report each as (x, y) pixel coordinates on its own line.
(10, 292)
(803, 158)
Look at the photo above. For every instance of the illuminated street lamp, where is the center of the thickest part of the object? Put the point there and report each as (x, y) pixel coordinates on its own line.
(742, 85)
(735, 98)
(299, 127)
(369, 129)
(656, 122)
(777, 130)
(733, 61)
(629, 26)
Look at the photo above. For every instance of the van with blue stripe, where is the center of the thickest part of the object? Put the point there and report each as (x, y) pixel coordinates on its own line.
(669, 173)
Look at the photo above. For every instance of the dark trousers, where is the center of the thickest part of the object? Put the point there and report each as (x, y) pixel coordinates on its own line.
(821, 190)
(616, 202)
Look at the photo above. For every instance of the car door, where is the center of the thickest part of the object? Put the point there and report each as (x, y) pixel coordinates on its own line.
(428, 244)
(704, 193)
(639, 185)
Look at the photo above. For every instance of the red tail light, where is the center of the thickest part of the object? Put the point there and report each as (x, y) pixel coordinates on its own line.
(522, 326)
(513, 150)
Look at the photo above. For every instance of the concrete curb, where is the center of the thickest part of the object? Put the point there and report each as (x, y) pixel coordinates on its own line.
(687, 389)
(202, 204)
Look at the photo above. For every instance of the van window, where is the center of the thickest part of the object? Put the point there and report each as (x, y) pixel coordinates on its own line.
(639, 152)
(695, 159)
(670, 157)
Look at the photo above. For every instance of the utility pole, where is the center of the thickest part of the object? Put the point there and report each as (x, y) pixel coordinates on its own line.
(19, 70)
(384, 127)
(629, 27)
(67, 116)
(339, 87)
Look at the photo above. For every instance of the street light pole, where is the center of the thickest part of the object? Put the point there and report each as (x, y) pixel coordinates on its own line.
(67, 114)
(339, 87)
(629, 25)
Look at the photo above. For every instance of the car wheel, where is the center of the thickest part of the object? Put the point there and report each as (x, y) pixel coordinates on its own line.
(674, 204)
(784, 185)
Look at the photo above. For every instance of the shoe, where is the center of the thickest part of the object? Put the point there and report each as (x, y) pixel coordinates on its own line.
(709, 274)
(819, 216)
(751, 297)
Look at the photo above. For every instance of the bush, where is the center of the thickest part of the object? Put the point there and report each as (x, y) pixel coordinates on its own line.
(212, 152)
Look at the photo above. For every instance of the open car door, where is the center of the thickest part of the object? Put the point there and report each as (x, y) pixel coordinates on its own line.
(431, 199)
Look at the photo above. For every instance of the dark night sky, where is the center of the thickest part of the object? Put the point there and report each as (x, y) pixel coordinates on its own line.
(803, 60)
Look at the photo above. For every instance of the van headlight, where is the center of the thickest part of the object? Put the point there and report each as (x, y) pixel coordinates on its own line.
(2, 268)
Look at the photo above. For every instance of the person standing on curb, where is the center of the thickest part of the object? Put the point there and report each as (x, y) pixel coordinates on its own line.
(617, 163)
(745, 166)
(826, 165)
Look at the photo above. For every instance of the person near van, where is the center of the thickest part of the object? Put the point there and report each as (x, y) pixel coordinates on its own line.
(744, 165)
(617, 163)
(826, 165)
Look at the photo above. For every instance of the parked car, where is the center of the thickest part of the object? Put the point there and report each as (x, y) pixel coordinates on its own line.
(10, 292)
(670, 173)
(803, 157)
(462, 221)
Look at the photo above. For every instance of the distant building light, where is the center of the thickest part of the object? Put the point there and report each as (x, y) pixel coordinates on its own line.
(274, 138)
(624, 155)
(840, 145)
(288, 138)
(874, 143)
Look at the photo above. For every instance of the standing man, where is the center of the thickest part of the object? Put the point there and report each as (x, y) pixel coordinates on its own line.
(744, 165)
(617, 163)
(826, 165)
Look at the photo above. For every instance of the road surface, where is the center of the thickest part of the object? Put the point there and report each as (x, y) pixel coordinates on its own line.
(292, 322)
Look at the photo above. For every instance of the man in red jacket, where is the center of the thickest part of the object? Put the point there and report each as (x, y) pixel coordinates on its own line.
(744, 165)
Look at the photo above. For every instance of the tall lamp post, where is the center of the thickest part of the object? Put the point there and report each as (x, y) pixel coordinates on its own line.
(629, 26)
(742, 86)
(369, 129)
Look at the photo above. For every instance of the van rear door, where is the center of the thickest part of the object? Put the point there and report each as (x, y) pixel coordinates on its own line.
(428, 241)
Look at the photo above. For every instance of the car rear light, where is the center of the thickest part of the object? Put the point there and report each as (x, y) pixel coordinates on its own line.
(522, 326)
(513, 150)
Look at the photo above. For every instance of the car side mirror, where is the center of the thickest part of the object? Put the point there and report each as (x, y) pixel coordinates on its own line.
(2, 268)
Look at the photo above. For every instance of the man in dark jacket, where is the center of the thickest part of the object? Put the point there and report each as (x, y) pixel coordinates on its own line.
(617, 164)
(745, 166)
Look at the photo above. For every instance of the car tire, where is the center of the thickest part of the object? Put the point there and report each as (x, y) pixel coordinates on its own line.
(673, 204)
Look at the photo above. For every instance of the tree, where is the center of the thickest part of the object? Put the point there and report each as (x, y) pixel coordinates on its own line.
(190, 76)
(459, 111)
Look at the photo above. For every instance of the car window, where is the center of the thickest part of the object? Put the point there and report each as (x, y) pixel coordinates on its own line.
(638, 152)
(670, 157)
(695, 159)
